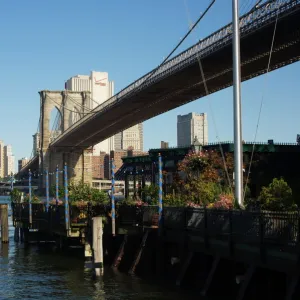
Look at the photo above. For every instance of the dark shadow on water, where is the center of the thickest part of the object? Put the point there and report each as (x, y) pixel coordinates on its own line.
(42, 272)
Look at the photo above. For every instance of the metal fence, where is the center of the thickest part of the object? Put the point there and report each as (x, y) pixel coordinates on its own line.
(248, 227)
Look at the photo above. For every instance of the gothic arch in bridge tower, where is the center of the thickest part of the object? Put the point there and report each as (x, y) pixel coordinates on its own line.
(75, 115)
(71, 106)
(55, 123)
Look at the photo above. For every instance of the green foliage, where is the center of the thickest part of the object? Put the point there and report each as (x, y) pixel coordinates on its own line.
(173, 200)
(205, 178)
(128, 201)
(61, 192)
(34, 198)
(151, 193)
(16, 195)
(277, 196)
(201, 192)
(80, 193)
(84, 192)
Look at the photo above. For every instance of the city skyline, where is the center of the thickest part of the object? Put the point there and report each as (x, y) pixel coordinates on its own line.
(127, 63)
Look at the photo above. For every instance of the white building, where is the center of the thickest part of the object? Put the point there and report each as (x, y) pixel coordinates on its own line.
(36, 143)
(101, 90)
(130, 138)
(22, 162)
(9, 161)
(190, 126)
(2, 169)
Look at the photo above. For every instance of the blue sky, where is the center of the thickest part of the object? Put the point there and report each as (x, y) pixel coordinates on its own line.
(43, 43)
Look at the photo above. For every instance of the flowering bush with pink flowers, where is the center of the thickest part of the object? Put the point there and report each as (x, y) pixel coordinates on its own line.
(192, 204)
(225, 201)
(53, 202)
(205, 179)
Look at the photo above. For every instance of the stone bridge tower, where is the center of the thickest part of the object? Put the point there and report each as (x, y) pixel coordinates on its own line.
(71, 106)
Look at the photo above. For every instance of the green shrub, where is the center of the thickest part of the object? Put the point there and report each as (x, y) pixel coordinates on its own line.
(277, 196)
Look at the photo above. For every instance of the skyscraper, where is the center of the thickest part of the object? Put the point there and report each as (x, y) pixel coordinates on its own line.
(22, 162)
(9, 161)
(130, 138)
(2, 168)
(190, 126)
(36, 143)
(101, 90)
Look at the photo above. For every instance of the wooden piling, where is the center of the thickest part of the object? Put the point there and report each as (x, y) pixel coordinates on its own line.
(292, 282)
(120, 253)
(210, 276)
(98, 245)
(4, 223)
(16, 236)
(246, 282)
(184, 268)
(21, 235)
(139, 253)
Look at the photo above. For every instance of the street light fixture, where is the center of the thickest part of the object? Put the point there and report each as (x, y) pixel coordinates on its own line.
(197, 146)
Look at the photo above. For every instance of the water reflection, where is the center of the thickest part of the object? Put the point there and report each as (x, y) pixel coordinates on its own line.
(37, 272)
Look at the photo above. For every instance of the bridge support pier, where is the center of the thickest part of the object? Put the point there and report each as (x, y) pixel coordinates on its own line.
(79, 166)
(77, 159)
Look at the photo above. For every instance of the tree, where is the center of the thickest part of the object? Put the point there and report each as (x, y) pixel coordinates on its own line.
(205, 176)
(276, 196)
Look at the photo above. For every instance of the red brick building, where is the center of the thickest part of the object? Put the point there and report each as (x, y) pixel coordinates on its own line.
(101, 163)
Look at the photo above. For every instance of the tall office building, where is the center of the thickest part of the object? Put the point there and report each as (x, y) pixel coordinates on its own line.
(164, 145)
(101, 90)
(22, 162)
(9, 161)
(36, 144)
(2, 168)
(191, 126)
(130, 138)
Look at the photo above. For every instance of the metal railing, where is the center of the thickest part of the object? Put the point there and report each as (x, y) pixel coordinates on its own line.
(250, 21)
(264, 227)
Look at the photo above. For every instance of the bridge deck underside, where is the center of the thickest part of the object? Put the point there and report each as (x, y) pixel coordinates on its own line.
(187, 85)
(33, 165)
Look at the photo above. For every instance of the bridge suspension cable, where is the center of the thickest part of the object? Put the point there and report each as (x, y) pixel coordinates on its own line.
(261, 102)
(210, 107)
(158, 67)
(91, 111)
(247, 5)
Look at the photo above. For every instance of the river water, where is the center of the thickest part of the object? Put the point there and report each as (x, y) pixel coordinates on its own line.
(39, 272)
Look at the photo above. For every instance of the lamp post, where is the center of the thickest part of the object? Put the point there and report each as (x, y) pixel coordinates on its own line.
(237, 105)
(197, 146)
